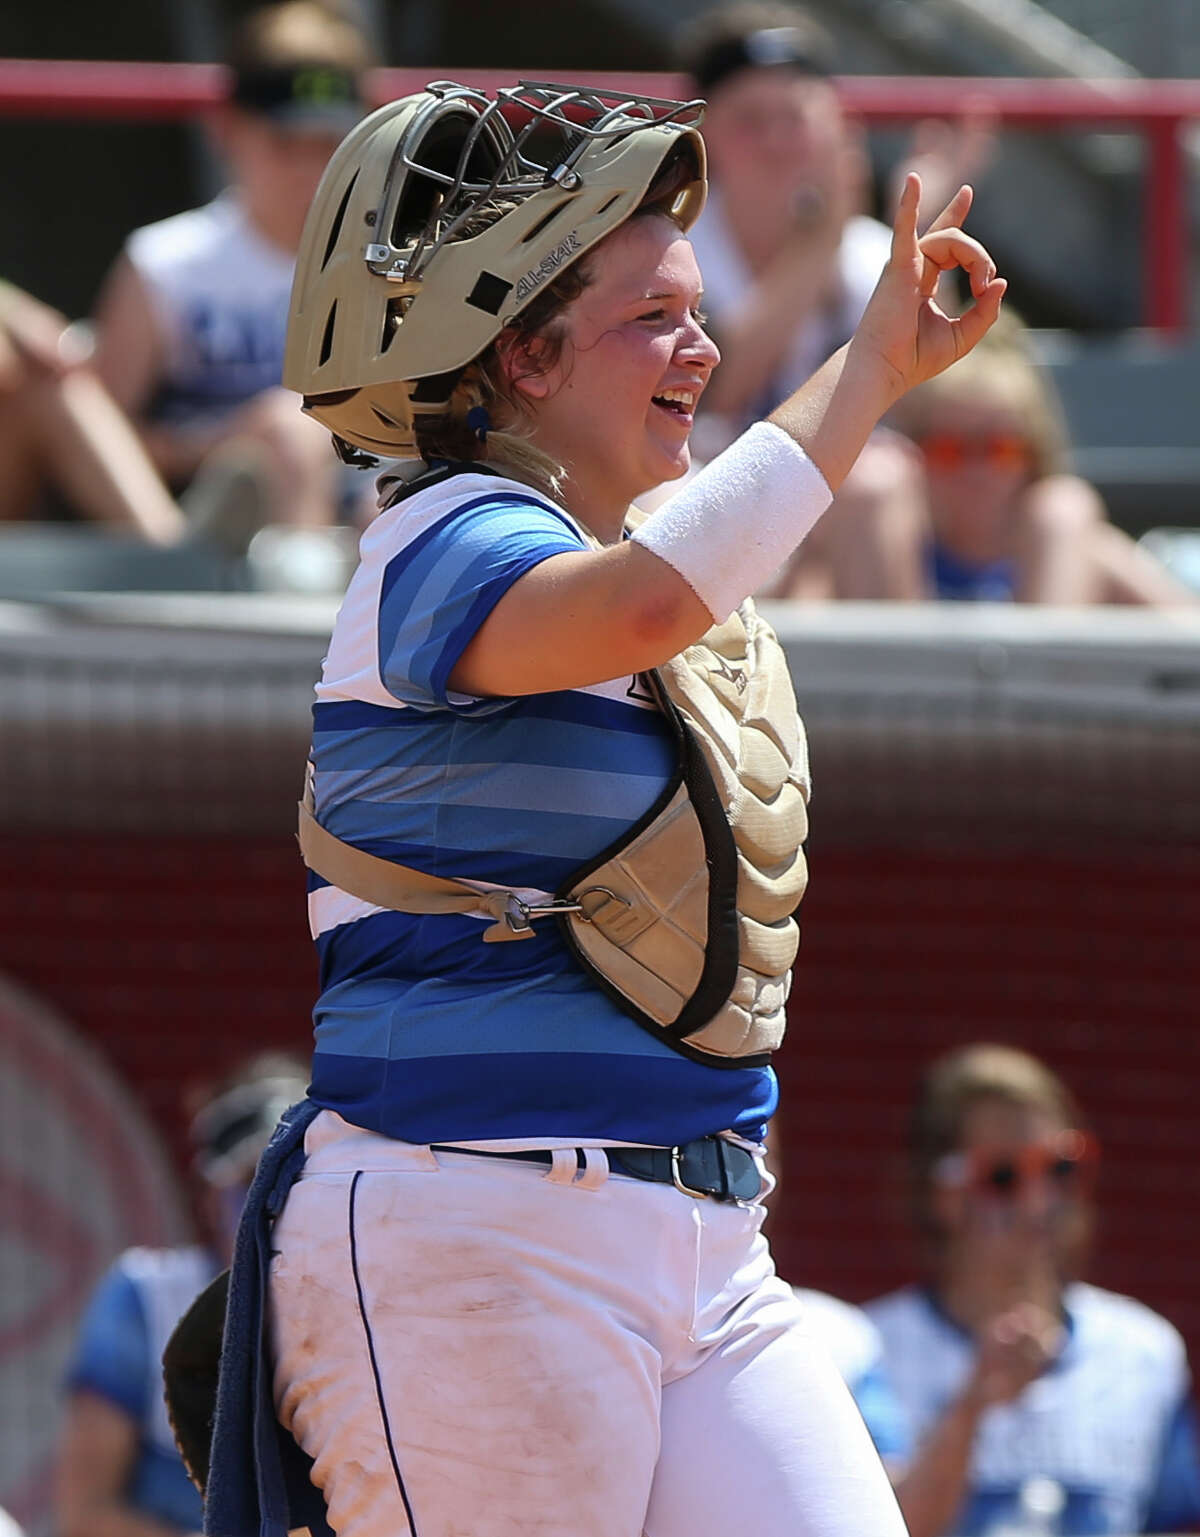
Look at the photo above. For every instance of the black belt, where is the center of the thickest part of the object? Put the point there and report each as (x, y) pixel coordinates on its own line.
(709, 1166)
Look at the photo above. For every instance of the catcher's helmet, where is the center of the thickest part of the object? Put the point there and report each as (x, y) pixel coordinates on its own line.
(388, 305)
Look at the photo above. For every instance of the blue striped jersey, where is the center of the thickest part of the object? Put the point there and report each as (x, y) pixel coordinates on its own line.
(1111, 1422)
(424, 1032)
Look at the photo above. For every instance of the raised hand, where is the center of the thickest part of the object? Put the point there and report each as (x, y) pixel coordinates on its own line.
(904, 327)
(1013, 1349)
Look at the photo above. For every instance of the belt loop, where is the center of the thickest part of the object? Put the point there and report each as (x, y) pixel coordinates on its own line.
(563, 1166)
(595, 1168)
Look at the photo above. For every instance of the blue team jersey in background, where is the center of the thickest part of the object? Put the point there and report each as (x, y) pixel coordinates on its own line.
(118, 1356)
(423, 1032)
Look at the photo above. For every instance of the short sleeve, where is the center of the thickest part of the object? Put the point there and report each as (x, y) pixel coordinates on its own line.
(1175, 1501)
(111, 1356)
(437, 591)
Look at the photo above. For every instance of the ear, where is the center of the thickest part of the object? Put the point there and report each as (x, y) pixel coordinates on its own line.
(522, 358)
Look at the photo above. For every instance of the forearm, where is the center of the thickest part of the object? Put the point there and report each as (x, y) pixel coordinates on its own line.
(834, 413)
(931, 1489)
(102, 465)
(753, 346)
(756, 338)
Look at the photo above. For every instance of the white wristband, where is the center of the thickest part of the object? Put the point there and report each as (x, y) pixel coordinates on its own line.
(730, 529)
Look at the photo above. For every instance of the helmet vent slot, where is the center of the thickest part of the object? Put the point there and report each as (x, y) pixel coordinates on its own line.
(393, 315)
(335, 228)
(604, 207)
(543, 221)
(327, 336)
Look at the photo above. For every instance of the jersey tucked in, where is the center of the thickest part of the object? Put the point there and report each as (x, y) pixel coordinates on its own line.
(424, 1032)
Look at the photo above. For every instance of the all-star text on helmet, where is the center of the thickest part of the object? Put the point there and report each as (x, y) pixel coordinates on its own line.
(390, 301)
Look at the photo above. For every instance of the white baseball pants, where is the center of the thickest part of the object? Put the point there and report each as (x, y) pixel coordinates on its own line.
(470, 1347)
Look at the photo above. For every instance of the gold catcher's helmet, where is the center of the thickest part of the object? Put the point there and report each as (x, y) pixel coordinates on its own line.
(388, 306)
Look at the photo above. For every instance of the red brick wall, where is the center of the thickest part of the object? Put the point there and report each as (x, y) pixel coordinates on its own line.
(175, 955)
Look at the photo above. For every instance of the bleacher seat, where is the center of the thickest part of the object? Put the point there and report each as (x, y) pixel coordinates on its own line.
(1131, 407)
(41, 558)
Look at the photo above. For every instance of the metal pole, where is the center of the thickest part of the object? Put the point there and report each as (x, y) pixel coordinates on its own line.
(1165, 260)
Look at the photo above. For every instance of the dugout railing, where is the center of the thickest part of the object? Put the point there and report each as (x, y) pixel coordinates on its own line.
(1158, 110)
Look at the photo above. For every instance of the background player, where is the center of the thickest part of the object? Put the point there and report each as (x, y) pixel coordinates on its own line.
(119, 1474)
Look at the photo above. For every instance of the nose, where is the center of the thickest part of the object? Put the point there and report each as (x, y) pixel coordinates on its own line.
(697, 348)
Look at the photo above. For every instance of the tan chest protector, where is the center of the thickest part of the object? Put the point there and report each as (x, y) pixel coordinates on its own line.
(687, 922)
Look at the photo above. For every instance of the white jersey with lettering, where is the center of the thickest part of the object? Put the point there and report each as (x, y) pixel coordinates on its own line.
(220, 291)
(1110, 1422)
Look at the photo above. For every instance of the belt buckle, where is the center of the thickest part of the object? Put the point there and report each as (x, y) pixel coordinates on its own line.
(677, 1181)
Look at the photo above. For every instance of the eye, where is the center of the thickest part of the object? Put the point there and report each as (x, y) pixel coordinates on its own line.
(700, 317)
(658, 314)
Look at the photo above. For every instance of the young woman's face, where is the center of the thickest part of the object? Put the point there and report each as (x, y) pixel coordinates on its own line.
(978, 463)
(1017, 1184)
(774, 134)
(618, 404)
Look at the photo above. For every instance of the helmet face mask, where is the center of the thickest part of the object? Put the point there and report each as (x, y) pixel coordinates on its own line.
(395, 290)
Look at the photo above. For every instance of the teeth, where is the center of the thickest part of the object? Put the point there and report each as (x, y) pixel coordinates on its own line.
(683, 397)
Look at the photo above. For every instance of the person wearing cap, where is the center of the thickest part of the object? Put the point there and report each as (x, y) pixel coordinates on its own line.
(191, 319)
(119, 1473)
(790, 257)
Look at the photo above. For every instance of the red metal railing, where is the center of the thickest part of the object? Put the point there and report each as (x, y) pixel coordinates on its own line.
(1155, 109)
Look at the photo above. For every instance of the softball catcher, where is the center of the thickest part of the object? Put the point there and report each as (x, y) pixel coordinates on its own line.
(554, 820)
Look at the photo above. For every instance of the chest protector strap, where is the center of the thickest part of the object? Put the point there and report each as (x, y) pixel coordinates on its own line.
(687, 921)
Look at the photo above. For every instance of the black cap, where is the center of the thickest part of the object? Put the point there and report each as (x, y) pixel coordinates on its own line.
(231, 1131)
(768, 48)
(303, 97)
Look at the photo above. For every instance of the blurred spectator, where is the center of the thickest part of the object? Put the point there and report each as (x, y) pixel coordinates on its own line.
(1006, 518)
(1040, 1404)
(790, 256)
(119, 1472)
(1001, 517)
(192, 318)
(61, 433)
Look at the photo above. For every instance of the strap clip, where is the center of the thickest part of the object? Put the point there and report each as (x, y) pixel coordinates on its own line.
(514, 918)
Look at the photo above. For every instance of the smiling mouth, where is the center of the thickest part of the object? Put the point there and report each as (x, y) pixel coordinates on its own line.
(678, 403)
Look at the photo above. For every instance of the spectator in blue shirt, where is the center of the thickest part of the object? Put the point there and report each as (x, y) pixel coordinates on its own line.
(119, 1472)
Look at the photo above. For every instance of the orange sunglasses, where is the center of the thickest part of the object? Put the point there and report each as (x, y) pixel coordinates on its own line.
(1063, 1160)
(949, 451)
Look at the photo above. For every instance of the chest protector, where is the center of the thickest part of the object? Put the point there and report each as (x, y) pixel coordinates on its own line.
(686, 922)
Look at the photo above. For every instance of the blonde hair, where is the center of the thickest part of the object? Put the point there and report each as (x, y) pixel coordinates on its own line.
(999, 370)
(297, 33)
